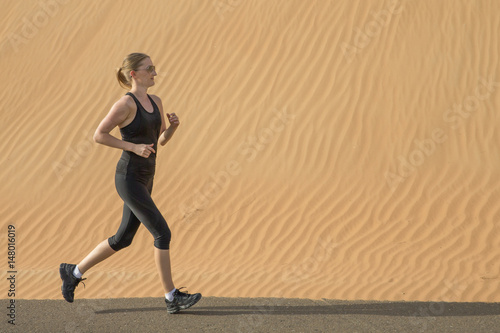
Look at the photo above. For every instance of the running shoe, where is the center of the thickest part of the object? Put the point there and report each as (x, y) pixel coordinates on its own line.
(69, 281)
(182, 301)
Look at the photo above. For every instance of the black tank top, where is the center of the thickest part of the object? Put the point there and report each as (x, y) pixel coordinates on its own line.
(144, 129)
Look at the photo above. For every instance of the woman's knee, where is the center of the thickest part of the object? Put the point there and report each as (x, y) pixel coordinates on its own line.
(162, 240)
(119, 244)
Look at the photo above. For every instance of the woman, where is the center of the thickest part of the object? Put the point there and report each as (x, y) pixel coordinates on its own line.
(142, 125)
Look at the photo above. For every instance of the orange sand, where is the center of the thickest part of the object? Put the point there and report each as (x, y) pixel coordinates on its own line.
(336, 149)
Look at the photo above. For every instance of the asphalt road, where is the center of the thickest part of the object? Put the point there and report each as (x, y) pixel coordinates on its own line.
(213, 314)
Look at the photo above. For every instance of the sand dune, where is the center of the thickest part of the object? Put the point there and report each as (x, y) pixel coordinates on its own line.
(341, 150)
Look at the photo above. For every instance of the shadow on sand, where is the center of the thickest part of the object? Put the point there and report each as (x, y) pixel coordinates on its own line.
(403, 309)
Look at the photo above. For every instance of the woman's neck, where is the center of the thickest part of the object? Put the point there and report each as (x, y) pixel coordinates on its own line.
(139, 92)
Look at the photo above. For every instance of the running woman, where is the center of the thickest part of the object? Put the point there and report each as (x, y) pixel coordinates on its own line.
(142, 125)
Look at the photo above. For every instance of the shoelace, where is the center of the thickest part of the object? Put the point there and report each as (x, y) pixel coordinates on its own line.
(81, 280)
(178, 291)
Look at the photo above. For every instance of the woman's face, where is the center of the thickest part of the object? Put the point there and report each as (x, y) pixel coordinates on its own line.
(145, 74)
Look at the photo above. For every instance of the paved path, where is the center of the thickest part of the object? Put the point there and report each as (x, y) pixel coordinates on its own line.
(214, 314)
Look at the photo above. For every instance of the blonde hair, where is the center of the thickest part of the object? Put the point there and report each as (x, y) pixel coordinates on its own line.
(130, 63)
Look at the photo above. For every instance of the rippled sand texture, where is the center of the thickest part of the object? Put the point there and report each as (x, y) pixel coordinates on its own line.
(327, 149)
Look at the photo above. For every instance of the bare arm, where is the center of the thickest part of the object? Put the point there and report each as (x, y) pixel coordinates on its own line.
(166, 133)
(118, 114)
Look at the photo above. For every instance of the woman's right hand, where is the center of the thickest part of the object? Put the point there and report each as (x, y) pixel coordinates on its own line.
(144, 150)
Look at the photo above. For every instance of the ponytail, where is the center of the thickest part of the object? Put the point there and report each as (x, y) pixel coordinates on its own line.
(130, 63)
(122, 80)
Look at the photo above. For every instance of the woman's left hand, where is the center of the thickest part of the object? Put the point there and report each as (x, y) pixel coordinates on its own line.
(173, 120)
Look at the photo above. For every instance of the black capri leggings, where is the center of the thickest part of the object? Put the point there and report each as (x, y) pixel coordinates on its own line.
(138, 207)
